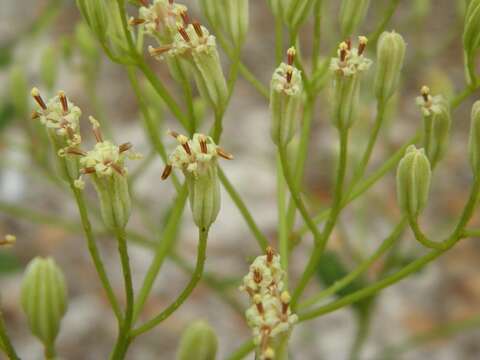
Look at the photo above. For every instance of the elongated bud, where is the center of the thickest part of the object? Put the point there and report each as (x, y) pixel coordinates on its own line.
(413, 181)
(44, 298)
(285, 101)
(61, 118)
(390, 56)
(352, 14)
(236, 20)
(197, 158)
(198, 341)
(296, 12)
(436, 121)
(471, 38)
(212, 9)
(49, 67)
(96, 15)
(474, 139)
(348, 67)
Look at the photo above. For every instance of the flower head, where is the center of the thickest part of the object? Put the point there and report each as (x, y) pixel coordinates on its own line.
(162, 17)
(351, 61)
(429, 105)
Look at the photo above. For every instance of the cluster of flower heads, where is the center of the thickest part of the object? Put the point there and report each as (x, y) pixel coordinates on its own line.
(270, 313)
(287, 78)
(350, 60)
(194, 156)
(429, 105)
(63, 117)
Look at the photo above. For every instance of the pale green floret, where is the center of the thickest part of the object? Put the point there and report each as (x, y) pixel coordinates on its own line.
(162, 18)
(53, 117)
(433, 106)
(103, 154)
(352, 65)
(199, 342)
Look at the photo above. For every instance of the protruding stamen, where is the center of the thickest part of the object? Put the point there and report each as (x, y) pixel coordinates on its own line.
(35, 115)
(222, 153)
(257, 299)
(88, 170)
(285, 299)
(63, 101)
(257, 276)
(144, 2)
(185, 17)
(170, 2)
(166, 172)
(289, 74)
(425, 91)
(183, 140)
(155, 51)
(203, 145)
(117, 168)
(291, 55)
(96, 129)
(362, 43)
(173, 133)
(124, 147)
(36, 95)
(198, 29)
(76, 151)
(270, 254)
(136, 21)
(343, 47)
(183, 33)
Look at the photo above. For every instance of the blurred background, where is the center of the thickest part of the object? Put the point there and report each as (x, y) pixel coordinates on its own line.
(434, 314)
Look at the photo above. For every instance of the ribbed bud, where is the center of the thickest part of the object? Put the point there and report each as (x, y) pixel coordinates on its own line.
(296, 12)
(390, 56)
(197, 158)
(96, 15)
(199, 342)
(85, 42)
(285, 101)
(44, 298)
(413, 181)
(436, 123)
(474, 139)
(236, 20)
(471, 37)
(212, 11)
(352, 14)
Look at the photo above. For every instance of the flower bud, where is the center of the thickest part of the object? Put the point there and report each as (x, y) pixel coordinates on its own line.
(49, 67)
(347, 69)
(197, 158)
(195, 45)
(437, 121)
(19, 91)
(105, 164)
(352, 14)
(471, 37)
(61, 118)
(390, 56)
(96, 15)
(236, 17)
(44, 298)
(285, 101)
(474, 139)
(198, 341)
(413, 181)
(296, 12)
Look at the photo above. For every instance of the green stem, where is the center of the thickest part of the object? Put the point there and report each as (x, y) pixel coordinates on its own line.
(123, 340)
(330, 224)
(259, 236)
(196, 276)
(163, 247)
(49, 352)
(94, 253)
(360, 269)
(422, 238)
(281, 218)
(383, 24)
(5, 340)
(244, 349)
(363, 327)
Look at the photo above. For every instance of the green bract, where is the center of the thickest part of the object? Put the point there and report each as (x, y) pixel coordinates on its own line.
(296, 12)
(44, 298)
(199, 342)
(413, 181)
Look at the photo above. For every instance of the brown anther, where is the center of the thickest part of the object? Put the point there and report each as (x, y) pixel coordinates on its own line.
(117, 168)
(136, 21)
(203, 145)
(425, 91)
(289, 75)
(186, 147)
(88, 170)
(38, 98)
(198, 28)
(222, 153)
(35, 115)
(166, 172)
(170, 2)
(144, 2)
(76, 151)
(257, 276)
(159, 50)
(124, 147)
(291, 56)
(362, 43)
(70, 132)
(183, 33)
(173, 134)
(343, 54)
(185, 17)
(349, 43)
(63, 101)
(269, 251)
(257, 299)
(98, 134)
